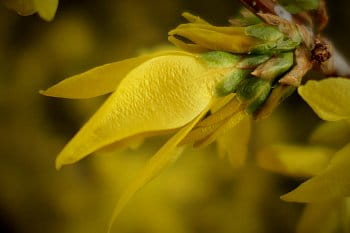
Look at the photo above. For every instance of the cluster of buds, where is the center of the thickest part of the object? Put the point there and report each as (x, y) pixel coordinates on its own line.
(269, 53)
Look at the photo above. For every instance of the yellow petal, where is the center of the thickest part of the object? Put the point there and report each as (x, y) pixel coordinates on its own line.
(163, 93)
(329, 98)
(213, 122)
(220, 102)
(22, 7)
(297, 161)
(46, 8)
(165, 156)
(323, 217)
(100, 80)
(234, 143)
(225, 112)
(325, 134)
(225, 30)
(200, 133)
(334, 182)
(224, 128)
(237, 43)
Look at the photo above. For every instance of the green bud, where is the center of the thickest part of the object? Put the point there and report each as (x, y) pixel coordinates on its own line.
(254, 92)
(220, 59)
(264, 32)
(230, 84)
(275, 67)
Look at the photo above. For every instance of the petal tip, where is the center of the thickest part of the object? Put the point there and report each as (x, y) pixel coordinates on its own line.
(43, 92)
(58, 164)
(286, 198)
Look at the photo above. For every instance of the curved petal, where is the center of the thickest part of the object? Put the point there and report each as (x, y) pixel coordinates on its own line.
(329, 98)
(234, 143)
(297, 161)
(163, 93)
(165, 156)
(100, 80)
(333, 183)
(227, 125)
(210, 124)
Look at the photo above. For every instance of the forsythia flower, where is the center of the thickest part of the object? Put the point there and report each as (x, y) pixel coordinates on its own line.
(45, 8)
(224, 76)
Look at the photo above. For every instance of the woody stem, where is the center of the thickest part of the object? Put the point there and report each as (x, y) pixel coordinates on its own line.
(260, 6)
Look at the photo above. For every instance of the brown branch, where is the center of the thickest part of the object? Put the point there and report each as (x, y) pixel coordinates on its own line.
(322, 16)
(260, 6)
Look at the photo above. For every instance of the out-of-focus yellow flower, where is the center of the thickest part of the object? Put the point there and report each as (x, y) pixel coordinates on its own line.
(296, 161)
(325, 161)
(45, 8)
(330, 99)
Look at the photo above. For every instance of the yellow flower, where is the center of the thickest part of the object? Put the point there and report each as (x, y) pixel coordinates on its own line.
(161, 93)
(45, 8)
(200, 95)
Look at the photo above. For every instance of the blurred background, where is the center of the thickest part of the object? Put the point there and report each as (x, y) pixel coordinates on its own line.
(200, 193)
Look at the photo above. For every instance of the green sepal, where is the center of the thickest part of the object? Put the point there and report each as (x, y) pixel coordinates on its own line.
(264, 32)
(230, 84)
(253, 91)
(275, 67)
(286, 45)
(265, 48)
(220, 59)
(275, 47)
